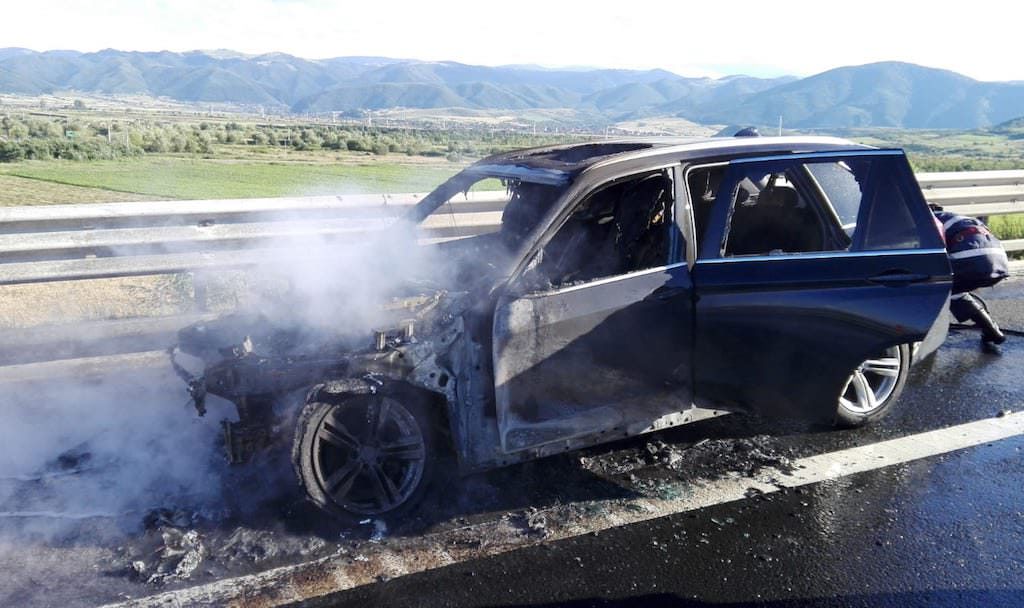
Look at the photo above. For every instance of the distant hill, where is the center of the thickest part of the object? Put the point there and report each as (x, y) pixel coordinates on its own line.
(887, 94)
(1014, 125)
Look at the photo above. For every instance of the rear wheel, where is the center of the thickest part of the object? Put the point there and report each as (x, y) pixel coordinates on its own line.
(873, 387)
(367, 456)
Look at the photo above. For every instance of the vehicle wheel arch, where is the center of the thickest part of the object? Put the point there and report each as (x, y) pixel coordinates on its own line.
(338, 390)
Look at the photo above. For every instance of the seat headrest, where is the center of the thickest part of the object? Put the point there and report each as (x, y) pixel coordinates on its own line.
(778, 196)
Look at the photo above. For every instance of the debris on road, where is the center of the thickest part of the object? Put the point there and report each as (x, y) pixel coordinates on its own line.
(533, 522)
(178, 558)
(247, 545)
(707, 459)
(380, 529)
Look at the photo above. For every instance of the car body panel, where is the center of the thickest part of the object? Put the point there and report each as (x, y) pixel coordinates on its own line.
(594, 358)
(780, 336)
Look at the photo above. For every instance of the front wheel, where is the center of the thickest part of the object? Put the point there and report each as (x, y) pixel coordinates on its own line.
(873, 387)
(367, 456)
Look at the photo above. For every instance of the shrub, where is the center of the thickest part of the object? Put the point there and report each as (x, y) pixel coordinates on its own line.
(10, 152)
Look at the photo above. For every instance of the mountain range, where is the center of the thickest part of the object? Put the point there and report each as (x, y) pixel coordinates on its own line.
(888, 94)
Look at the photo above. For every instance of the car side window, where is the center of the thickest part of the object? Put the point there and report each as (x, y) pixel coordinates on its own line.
(815, 205)
(887, 222)
(622, 227)
(702, 184)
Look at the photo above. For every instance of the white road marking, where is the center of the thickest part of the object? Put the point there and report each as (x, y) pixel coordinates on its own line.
(347, 570)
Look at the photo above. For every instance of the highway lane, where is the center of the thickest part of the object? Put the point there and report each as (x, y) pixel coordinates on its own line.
(72, 539)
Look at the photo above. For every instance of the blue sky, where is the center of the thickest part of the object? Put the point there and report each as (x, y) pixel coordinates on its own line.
(981, 40)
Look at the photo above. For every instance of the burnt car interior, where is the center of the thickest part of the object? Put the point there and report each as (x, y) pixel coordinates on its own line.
(621, 228)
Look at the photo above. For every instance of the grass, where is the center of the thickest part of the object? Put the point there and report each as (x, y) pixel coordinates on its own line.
(1007, 226)
(22, 191)
(190, 178)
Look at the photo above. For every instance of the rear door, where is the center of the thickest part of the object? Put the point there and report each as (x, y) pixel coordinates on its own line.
(809, 265)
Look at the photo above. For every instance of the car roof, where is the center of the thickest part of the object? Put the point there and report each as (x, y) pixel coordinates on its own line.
(561, 163)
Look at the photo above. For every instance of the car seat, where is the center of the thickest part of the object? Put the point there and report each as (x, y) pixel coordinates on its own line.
(777, 221)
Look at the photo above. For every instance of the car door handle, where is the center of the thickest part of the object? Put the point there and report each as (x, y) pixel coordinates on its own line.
(897, 278)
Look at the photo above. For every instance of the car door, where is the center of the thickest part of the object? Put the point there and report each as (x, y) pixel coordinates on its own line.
(585, 349)
(811, 264)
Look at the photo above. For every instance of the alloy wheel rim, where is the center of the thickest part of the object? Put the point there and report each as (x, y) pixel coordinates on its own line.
(368, 457)
(872, 383)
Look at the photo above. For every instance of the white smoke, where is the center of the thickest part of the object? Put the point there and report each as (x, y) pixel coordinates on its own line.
(116, 448)
(111, 450)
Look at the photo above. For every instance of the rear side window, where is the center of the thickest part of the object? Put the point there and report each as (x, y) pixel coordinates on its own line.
(841, 185)
(814, 204)
(887, 223)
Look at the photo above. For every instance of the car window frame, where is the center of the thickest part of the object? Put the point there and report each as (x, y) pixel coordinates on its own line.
(713, 248)
(695, 240)
(514, 283)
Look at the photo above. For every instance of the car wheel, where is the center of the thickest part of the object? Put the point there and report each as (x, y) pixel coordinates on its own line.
(873, 387)
(367, 456)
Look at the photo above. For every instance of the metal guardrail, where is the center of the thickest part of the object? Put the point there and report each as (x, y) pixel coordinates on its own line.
(74, 242)
(977, 193)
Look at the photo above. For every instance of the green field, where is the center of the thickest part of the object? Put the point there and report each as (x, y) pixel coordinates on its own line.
(22, 191)
(186, 178)
(234, 170)
(1007, 226)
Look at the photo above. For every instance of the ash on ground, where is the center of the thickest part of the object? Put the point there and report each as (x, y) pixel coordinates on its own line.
(704, 459)
(182, 545)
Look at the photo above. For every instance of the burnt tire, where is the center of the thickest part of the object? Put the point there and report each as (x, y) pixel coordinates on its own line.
(873, 388)
(366, 456)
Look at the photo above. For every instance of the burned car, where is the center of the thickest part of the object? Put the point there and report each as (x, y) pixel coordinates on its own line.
(617, 288)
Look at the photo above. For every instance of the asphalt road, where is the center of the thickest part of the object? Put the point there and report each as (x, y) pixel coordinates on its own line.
(942, 531)
(144, 472)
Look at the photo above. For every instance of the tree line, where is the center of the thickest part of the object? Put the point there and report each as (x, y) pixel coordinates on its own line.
(28, 137)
